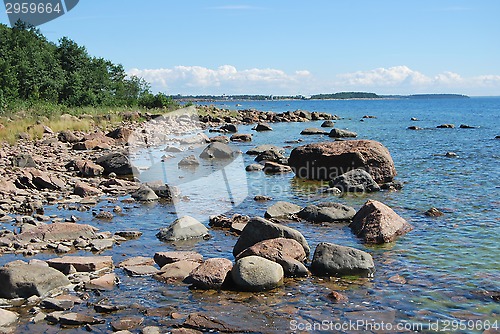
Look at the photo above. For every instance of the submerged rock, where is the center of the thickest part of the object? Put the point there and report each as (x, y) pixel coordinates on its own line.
(376, 223)
(282, 210)
(183, 228)
(335, 260)
(446, 126)
(327, 160)
(434, 212)
(313, 131)
(255, 273)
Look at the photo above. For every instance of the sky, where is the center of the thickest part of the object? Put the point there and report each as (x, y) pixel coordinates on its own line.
(289, 47)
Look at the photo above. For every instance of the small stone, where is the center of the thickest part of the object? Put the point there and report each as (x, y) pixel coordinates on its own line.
(337, 297)
(126, 323)
(262, 198)
(104, 215)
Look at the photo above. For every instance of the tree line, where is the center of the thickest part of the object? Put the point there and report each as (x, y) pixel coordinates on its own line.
(35, 69)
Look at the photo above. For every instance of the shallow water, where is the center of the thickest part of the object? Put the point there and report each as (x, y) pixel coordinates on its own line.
(445, 261)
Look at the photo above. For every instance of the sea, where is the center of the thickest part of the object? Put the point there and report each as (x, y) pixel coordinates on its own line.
(444, 275)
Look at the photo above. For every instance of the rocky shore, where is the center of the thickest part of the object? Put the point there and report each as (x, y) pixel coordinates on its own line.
(75, 171)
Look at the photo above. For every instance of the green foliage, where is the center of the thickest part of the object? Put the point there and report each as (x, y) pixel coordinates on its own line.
(158, 101)
(34, 70)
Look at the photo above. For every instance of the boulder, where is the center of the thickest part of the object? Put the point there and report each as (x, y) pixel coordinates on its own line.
(164, 258)
(276, 168)
(140, 270)
(339, 133)
(189, 161)
(221, 139)
(137, 261)
(211, 274)
(86, 168)
(105, 282)
(144, 194)
(335, 260)
(83, 189)
(229, 128)
(23, 161)
(259, 229)
(78, 319)
(313, 131)
(68, 137)
(328, 124)
(327, 213)
(7, 318)
(254, 168)
(376, 223)
(58, 232)
(162, 190)
(327, 160)
(81, 263)
(121, 134)
(241, 137)
(177, 271)
(465, 126)
(271, 155)
(217, 150)
(262, 148)
(117, 163)
(183, 228)
(255, 273)
(356, 180)
(446, 126)
(286, 252)
(23, 280)
(126, 323)
(282, 210)
(263, 127)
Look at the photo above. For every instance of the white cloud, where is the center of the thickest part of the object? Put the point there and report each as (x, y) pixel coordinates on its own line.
(227, 79)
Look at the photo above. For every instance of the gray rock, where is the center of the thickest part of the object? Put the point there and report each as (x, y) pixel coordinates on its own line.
(262, 148)
(263, 127)
(271, 155)
(254, 168)
(327, 213)
(282, 209)
(23, 280)
(339, 133)
(217, 150)
(328, 124)
(446, 126)
(254, 273)
(334, 260)
(23, 161)
(183, 228)
(189, 161)
(162, 190)
(313, 131)
(117, 163)
(164, 258)
(229, 128)
(259, 229)
(271, 167)
(356, 180)
(7, 318)
(57, 304)
(144, 194)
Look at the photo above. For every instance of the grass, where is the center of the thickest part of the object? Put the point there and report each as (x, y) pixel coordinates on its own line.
(30, 118)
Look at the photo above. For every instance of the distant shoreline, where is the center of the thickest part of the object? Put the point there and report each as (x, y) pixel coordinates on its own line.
(319, 97)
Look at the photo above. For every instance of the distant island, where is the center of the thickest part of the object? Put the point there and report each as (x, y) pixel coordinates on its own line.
(332, 96)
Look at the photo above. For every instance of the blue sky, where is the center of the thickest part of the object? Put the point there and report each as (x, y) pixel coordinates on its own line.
(294, 47)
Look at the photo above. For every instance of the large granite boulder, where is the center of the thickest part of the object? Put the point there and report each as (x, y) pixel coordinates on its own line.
(255, 273)
(327, 160)
(259, 229)
(376, 223)
(334, 260)
(19, 280)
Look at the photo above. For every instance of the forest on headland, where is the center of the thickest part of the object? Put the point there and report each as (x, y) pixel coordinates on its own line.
(34, 71)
